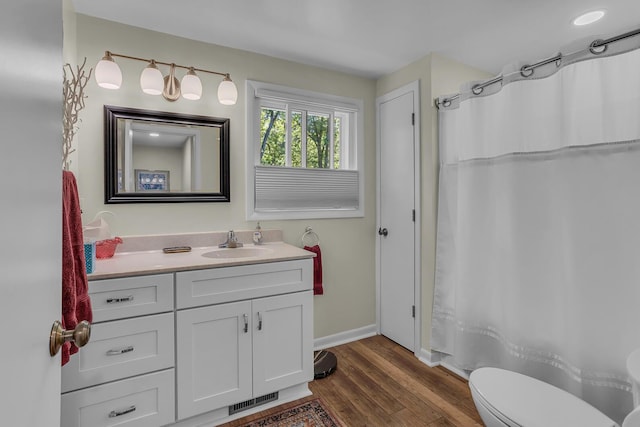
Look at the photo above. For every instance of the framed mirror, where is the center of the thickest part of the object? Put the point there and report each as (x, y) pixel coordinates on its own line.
(153, 156)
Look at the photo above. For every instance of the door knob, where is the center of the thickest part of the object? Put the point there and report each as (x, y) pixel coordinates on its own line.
(383, 232)
(80, 336)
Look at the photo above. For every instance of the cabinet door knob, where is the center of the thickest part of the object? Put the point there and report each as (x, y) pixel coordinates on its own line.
(246, 323)
(79, 336)
(259, 321)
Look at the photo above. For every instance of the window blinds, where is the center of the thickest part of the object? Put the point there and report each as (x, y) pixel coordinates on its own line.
(285, 188)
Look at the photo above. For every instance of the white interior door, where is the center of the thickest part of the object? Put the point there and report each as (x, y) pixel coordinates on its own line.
(31, 221)
(396, 215)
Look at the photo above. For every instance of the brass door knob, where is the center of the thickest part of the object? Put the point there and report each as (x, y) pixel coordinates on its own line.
(80, 336)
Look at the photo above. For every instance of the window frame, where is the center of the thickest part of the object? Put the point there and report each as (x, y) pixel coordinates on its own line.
(350, 110)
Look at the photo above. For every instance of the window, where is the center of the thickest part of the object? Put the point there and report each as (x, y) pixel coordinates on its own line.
(311, 141)
(304, 154)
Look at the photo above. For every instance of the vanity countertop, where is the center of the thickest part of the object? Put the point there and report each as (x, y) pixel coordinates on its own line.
(156, 261)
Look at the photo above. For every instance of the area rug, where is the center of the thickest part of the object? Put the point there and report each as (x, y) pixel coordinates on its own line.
(307, 414)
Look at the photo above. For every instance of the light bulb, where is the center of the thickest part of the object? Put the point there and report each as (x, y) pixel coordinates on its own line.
(227, 91)
(108, 74)
(191, 86)
(151, 80)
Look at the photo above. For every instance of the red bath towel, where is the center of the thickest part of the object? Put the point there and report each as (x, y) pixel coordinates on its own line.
(76, 305)
(317, 269)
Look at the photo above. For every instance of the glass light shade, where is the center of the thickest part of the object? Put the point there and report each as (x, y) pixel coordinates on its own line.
(227, 92)
(108, 74)
(191, 86)
(151, 80)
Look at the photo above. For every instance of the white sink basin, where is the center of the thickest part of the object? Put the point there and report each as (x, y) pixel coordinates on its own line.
(243, 252)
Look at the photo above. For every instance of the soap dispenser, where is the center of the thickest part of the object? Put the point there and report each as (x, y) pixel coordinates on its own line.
(257, 235)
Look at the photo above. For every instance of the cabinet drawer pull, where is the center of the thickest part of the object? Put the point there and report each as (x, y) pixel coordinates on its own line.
(116, 352)
(114, 414)
(246, 323)
(116, 300)
(259, 321)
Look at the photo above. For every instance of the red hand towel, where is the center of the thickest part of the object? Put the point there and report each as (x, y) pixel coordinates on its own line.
(317, 269)
(76, 305)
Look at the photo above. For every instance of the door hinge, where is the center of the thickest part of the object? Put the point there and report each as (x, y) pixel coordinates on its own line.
(413, 119)
(413, 215)
(413, 311)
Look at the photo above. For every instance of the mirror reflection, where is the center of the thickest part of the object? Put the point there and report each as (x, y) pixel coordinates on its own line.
(165, 157)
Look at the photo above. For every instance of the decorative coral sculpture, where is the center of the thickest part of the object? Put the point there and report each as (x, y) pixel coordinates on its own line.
(73, 93)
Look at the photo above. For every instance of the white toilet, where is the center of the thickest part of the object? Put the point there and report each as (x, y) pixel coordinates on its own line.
(505, 398)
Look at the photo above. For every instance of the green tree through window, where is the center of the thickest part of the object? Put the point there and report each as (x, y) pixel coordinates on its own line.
(321, 151)
(273, 137)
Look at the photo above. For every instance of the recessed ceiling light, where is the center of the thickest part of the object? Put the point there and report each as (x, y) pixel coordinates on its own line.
(154, 134)
(588, 18)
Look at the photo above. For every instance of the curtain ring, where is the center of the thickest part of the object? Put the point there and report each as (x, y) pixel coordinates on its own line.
(559, 60)
(477, 89)
(598, 44)
(526, 71)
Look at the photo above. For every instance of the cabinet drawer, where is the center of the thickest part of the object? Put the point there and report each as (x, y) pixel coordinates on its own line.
(131, 296)
(144, 401)
(225, 284)
(121, 349)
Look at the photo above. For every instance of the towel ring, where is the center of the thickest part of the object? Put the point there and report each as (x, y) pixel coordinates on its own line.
(311, 236)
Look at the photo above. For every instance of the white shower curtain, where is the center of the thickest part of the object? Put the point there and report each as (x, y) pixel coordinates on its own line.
(538, 247)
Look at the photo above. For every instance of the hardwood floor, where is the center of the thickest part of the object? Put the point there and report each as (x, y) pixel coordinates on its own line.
(381, 384)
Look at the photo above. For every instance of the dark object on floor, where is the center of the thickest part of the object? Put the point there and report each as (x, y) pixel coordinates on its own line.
(324, 364)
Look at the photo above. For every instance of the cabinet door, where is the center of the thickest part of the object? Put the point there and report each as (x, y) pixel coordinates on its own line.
(282, 341)
(213, 357)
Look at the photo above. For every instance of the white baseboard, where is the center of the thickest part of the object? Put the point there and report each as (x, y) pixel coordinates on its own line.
(344, 337)
(431, 359)
(460, 372)
(435, 358)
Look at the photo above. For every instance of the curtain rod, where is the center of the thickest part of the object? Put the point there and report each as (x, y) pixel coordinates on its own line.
(596, 47)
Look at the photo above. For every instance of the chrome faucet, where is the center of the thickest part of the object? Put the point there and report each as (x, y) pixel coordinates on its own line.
(232, 241)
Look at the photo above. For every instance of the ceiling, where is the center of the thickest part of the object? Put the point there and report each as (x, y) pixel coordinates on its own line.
(373, 38)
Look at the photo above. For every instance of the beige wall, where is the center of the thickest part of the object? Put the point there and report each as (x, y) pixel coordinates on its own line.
(438, 76)
(348, 245)
(69, 51)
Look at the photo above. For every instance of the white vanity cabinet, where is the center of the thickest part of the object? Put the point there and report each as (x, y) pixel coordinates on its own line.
(192, 347)
(253, 336)
(125, 375)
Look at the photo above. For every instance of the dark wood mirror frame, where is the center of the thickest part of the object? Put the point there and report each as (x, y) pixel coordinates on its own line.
(111, 194)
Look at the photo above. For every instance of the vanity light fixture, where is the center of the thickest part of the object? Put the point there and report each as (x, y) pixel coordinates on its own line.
(152, 82)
